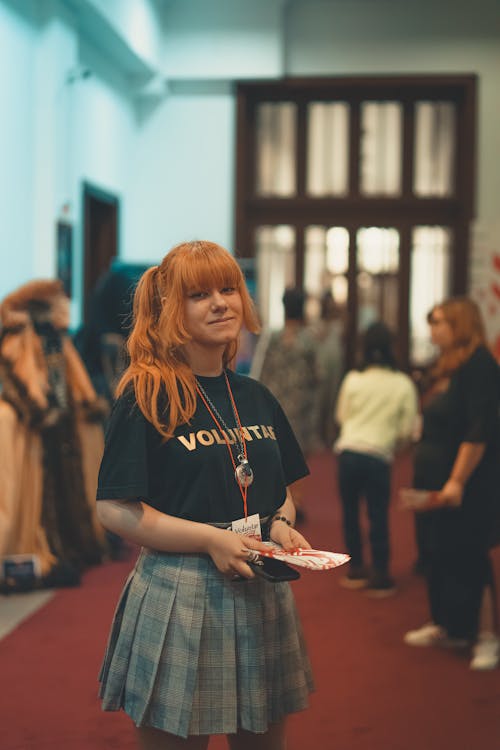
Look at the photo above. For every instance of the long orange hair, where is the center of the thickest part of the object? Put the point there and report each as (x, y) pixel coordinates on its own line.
(155, 345)
(464, 318)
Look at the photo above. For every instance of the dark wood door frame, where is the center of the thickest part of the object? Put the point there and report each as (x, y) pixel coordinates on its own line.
(354, 210)
(101, 215)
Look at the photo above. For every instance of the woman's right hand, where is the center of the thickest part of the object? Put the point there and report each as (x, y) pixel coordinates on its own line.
(229, 552)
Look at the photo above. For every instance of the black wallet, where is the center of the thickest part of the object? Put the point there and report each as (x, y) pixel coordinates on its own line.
(274, 570)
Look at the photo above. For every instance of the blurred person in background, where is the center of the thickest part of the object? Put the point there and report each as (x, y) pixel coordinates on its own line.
(101, 340)
(286, 362)
(330, 353)
(458, 456)
(376, 412)
(51, 439)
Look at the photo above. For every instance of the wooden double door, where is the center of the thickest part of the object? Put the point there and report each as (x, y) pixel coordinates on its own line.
(361, 188)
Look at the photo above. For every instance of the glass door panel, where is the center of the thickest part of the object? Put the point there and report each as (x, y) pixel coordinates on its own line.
(326, 263)
(275, 254)
(434, 149)
(430, 283)
(276, 149)
(327, 148)
(377, 260)
(381, 148)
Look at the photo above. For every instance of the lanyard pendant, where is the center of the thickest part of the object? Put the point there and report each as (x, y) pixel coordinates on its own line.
(243, 472)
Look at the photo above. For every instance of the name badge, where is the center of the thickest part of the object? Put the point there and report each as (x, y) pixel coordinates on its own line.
(249, 526)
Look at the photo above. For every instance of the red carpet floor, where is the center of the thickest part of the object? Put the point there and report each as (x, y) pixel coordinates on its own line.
(373, 693)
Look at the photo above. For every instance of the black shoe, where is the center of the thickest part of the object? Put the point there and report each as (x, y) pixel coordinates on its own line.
(380, 585)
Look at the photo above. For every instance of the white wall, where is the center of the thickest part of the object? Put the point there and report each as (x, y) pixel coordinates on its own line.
(56, 131)
(138, 22)
(54, 54)
(183, 181)
(104, 128)
(17, 38)
(224, 39)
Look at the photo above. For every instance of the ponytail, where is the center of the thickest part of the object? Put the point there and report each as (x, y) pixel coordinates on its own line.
(144, 342)
(148, 371)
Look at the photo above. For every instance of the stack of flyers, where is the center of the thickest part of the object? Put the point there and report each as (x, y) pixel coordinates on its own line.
(312, 559)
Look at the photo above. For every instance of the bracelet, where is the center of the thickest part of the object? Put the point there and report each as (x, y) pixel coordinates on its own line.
(279, 517)
(272, 519)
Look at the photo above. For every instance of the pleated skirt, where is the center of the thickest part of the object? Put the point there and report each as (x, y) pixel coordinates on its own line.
(193, 653)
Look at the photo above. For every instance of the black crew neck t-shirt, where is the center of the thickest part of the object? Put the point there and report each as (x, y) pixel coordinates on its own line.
(191, 475)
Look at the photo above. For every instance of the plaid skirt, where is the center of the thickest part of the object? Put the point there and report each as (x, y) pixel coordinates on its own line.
(191, 652)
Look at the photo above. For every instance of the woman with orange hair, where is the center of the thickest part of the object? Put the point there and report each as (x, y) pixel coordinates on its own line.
(458, 456)
(197, 459)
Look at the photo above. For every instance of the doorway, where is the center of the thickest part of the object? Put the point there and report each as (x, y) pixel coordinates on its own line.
(360, 189)
(100, 237)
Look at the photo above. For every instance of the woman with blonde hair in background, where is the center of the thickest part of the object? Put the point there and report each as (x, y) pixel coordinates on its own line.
(458, 456)
(196, 457)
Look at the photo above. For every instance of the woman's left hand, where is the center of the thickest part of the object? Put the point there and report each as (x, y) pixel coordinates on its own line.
(287, 536)
(451, 493)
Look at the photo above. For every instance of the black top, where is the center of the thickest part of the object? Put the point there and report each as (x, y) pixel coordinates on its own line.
(468, 411)
(191, 475)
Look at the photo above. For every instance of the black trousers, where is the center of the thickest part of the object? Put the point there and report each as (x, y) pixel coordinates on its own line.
(362, 475)
(459, 570)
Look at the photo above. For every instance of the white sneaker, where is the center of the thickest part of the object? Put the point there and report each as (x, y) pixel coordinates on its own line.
(486, 652)
(428, 635)
(431, 634)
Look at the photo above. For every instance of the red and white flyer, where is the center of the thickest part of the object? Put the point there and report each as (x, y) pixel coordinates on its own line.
(312, 559)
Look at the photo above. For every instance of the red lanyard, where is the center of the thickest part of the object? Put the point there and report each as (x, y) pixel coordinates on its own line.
(243, 490)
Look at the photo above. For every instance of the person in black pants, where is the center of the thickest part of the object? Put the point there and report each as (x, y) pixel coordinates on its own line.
(458, 456)
(361, 474)
(376, 411)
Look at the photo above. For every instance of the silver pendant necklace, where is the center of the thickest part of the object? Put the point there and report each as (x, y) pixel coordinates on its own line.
(243, 472)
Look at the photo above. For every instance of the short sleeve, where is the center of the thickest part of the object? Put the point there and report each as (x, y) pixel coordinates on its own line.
(292, 458)
(124, 468)
(480, 379)
(409, 411)
(342, 405)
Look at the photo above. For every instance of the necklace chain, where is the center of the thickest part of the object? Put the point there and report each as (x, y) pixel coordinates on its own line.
(236, 430)
(243, 473)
